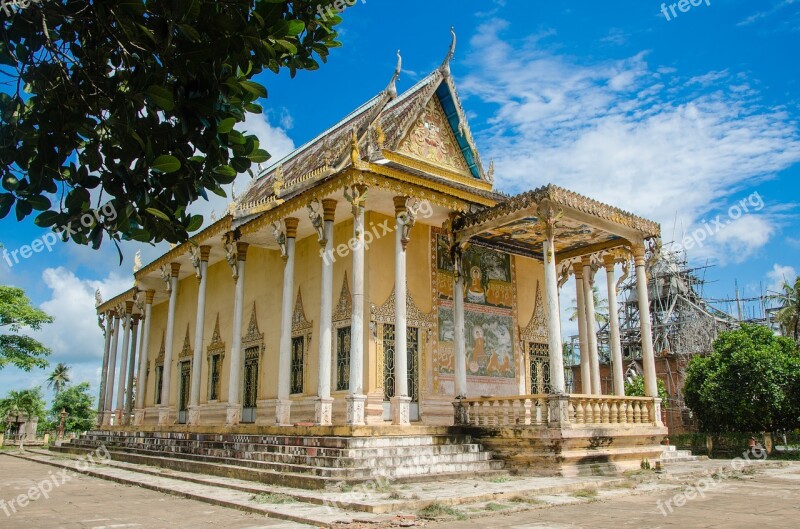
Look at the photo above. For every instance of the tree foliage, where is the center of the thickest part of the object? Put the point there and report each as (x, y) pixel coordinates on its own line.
(126, 111)
(77, 402)
(27, 401)
(16, 312)
(59, 378)
(788, 315)
(749, 383)
(635, 388)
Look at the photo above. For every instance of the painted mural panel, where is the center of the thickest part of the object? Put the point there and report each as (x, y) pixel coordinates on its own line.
(488, 312)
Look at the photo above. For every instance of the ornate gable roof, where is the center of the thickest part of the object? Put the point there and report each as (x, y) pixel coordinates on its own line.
(382, 123)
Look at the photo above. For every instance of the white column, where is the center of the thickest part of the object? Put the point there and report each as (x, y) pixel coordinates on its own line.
(131, 369)
(123, 364)
(234, 409)
(284, 404)
(144, 350)
(555, 348)
(401, 400)
(112, 366)
(459, 344)
(323, 407)
(613, 325)
(197, 355)
(101, 398)
(648, 356)
(166, 376)
(356, 399)
(586, 370)
(591, 324)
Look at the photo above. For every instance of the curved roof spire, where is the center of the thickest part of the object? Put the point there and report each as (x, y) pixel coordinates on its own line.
(392, 88)
(445, 67)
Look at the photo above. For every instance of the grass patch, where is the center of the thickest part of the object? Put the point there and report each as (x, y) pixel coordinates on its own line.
(268, 497)
(495, 506)
(626, 484)
(586, 494)
(437, 510)
(500, 479)
(395, 496)
(529, 501)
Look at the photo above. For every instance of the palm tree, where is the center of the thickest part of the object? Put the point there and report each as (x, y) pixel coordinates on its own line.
(600, 308)
(788, 315)
(58, 378)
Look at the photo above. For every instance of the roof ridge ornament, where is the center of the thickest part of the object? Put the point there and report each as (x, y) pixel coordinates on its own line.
(391, 90)
(445, 67)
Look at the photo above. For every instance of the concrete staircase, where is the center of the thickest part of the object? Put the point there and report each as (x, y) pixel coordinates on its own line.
(673, 455)
(312, 462)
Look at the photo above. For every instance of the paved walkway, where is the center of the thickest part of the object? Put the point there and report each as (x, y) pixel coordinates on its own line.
(765, 500)
(86, 502)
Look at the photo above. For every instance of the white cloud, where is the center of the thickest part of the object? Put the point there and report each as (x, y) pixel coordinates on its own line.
(628, 134)
(779, 275)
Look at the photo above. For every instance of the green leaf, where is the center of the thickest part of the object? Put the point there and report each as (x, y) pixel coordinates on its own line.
(296, 27)
(194, 223)
(259, 156)
(189, 32)
(6, 201)
(46, 219)
(254, 88)
(157, 213)
(166, 163)
(226, 125)
(161, 97)
(39, 202)
(225, 170)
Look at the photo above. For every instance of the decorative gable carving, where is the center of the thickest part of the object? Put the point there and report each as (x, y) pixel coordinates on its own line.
(300, 325)
(414, 317)
(344, 308)
(536, 330)
(186, 350)
(217, 346)
(431, 140)
(162, 351)
(254, 337)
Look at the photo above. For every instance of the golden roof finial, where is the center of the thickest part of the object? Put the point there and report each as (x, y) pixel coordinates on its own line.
(445, 67)
(392, 88)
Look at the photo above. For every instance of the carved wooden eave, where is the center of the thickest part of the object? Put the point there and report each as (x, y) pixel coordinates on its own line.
(253, 337)
(561, 197)
(219, 227)
(117, 300)
(536, 330)
(217, 346)
(186, 350)
(344, 307)
(414, 317)
(300, 325)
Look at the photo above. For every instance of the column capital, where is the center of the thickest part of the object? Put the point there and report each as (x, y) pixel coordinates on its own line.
(175, 269)
(586, 260)
(400, 205)
(638, 251)
(241, 250)
(577, 270)
(135, 319)
(128, 308)
(205, 252)
(328, 209)
(609, 261)
(291, 224)
(149, 295)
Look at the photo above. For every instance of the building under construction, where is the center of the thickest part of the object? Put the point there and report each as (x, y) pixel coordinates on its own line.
(684, 323)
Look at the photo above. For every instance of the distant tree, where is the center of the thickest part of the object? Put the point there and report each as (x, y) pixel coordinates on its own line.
(27, 401)
(18, 349)
(58, 378)
(749, 383)
(635, 388)
(788, 316)
(77, 402)
(600, 308)
(127, 111)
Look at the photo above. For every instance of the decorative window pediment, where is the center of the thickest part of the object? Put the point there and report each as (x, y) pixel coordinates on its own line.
(217, 346)
(300, 325)
(343, 311)
(414, 317)
(162, 351)
(186, 350)
(536, 330)
(254, 337)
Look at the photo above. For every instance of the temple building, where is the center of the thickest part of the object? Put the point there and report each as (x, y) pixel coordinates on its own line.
(373, 283)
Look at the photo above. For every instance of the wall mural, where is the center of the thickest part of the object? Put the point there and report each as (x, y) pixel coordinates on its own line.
(488, 311)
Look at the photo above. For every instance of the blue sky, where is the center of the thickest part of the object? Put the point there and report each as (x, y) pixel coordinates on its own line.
(677, 120)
